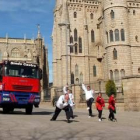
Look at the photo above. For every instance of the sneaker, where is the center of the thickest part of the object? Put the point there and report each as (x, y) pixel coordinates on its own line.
(52, 120)
(87, 108)
(89, 116)
(100, 120)
(68, 121)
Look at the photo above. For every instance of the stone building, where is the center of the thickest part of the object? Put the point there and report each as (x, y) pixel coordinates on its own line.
(28, 50)
(95, 40)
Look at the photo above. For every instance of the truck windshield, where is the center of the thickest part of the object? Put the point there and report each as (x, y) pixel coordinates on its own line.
(21, 71)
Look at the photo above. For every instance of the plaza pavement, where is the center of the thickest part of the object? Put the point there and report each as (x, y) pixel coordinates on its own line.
(18, 126)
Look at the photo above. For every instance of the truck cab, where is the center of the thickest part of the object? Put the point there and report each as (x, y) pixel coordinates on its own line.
(19, 86)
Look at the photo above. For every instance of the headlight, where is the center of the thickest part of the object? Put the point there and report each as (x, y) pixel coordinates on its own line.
(37, 100)
(6, 99)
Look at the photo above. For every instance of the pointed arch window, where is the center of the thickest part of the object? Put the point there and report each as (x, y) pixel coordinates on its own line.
(122, 73)
(122, 35)
(138, 70)
(92, 36)
(111, 74)
(80, 45)
(0, 56)
(116, 74)
(76, 70)
(75, 14)
(111, 36)
(71, 39)
(15, 53)
(81, 78)
(112, 14)
(76, 49)
(72, 78)
(117, 35)
(107, 37)
(115, 55)
(75, 34)
(94, 71)
(91, 16)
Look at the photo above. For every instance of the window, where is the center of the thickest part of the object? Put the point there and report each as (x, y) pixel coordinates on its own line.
(0, 56)
(111, 36)
(75, 15)
(117, 35)
(122, 73)
(81, 78)
(80, 45)
(15, 52)
(138, 70)
(75, 34)
(71, 39)
(112, 15)
(71, 49)
(76, 49)
(116, 73)
(72, 78)
(91, 16)
(114, 54)
(111, 74)
(122, 35)
(94, 71)
(76, 70)
(134, 12)
(92, 36)
(107, 37)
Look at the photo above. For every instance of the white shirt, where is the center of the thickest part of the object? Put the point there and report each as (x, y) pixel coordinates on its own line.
(71, 99)
(65, 90)
(88, 93)
(60, 103)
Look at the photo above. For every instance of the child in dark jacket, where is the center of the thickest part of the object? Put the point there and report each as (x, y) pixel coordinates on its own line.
(99, 105)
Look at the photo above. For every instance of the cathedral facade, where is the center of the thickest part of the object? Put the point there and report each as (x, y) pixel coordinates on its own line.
(95, 40)
(30, 51)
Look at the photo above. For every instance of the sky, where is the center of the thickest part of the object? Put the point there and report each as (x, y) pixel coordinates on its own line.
(20, 17)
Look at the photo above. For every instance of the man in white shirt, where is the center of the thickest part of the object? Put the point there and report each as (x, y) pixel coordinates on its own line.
(62, 104)
(66, 90)
(89, 94)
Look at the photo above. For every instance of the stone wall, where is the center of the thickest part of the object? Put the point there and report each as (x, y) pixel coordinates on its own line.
(131, 87)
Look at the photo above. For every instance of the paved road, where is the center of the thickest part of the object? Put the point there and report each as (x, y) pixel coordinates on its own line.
(18, 126)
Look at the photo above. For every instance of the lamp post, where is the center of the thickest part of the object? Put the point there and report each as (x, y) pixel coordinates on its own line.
(66, 26)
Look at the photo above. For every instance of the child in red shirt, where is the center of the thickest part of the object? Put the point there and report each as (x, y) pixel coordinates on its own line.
(99, 105)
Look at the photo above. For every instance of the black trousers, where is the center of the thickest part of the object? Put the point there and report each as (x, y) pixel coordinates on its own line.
(71, 112)
(100, 114)
(111, 114)
(89, 104)
(58, 110)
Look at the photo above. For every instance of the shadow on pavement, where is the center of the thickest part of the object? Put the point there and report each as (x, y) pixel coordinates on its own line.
(71, 121)
(23, 113)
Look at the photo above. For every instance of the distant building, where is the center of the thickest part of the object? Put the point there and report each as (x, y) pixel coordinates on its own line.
(95, 40)
(29, 50)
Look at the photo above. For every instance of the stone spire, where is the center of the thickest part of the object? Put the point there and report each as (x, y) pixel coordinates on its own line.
(38, 34)
(58, 4)
(65, 15)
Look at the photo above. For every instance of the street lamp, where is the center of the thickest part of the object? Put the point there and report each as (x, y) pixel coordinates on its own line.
(66, 25)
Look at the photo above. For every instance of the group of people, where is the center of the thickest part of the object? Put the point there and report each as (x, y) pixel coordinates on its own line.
(66, 103)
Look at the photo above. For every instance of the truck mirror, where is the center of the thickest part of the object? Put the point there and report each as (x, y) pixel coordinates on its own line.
(40, 74)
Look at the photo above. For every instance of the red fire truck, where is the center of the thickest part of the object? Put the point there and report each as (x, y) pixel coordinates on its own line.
(19, 86)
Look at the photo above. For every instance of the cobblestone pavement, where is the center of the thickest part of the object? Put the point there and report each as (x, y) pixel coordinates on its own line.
(18, 126)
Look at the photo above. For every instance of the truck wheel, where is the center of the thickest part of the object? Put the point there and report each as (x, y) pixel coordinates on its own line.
(6, 110)
(11, 109)
(29, 109)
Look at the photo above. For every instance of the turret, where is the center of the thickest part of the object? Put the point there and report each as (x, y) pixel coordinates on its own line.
(116, 34)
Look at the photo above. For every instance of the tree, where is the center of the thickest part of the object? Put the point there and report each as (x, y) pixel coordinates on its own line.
(110, 88)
